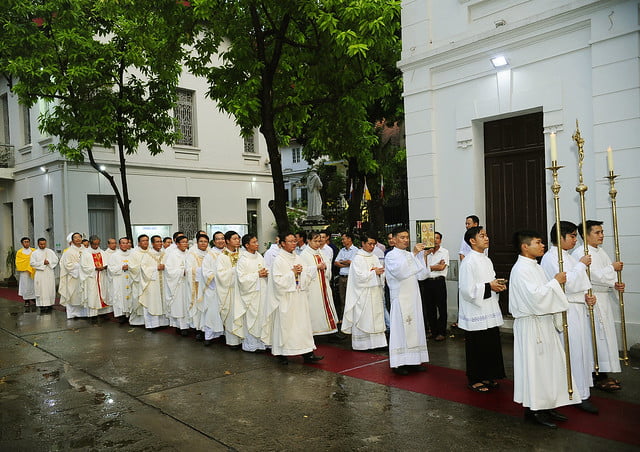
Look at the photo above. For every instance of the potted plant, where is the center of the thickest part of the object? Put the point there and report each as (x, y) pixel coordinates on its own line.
(11, 281)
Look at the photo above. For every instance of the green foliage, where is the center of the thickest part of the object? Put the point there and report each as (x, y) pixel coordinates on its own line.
(299, 68)
(110, 69)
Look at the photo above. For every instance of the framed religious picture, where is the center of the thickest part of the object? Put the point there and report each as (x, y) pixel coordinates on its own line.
(425, 232)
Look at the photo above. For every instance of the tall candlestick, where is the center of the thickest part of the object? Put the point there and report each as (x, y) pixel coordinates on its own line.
(610, 159)
(554, 147)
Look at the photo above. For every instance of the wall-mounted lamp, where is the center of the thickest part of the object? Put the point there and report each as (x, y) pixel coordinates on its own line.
(103, 168)
(253, 179)
(43, 169)
(499, 61)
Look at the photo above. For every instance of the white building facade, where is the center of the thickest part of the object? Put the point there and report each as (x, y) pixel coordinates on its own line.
(213, 179)
(478, 135)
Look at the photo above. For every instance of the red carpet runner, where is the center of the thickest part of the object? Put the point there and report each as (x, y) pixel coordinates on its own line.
(618, 420)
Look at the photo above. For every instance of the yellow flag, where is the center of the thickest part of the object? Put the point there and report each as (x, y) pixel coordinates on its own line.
(366, 195)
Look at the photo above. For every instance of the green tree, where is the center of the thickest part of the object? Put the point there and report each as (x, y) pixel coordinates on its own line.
(108, 69)
(278, 65)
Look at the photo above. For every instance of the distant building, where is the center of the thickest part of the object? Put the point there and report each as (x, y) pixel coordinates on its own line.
(212, 178)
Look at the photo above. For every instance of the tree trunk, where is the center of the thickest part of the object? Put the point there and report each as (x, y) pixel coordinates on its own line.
(353, 211)
(279, 204)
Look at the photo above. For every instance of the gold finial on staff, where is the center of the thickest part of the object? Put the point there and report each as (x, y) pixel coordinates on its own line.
(555, 188)
(614, 212)
(581, 189)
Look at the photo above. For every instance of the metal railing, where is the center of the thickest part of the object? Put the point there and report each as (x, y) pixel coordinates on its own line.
(7, 158)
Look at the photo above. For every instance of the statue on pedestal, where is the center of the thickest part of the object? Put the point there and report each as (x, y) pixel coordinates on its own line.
(314, 200)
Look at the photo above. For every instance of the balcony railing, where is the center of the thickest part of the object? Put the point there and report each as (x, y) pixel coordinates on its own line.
(7, 156)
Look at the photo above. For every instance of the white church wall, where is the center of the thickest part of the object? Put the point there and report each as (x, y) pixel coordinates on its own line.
(569, 60)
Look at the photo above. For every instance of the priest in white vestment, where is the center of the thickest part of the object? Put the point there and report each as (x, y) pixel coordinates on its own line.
(364, 304)
(407, 339)
(271, 253)
(291, 332)
(177, 286)
(231, 307)
(479, 314)
(539, 362)
(146, 269)
(576, 287)
(74, 270)
(43, 261)
(605, 287)
(213, 326)
(122, 285)
(112, 247)
(96, 282)
(252, 285)
(25, 272)
(322, 310)
(198, 284)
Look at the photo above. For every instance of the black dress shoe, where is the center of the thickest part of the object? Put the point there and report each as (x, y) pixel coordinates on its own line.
(416, 368)
(235, 347)
(283, 360)
(556, 416)
(310, 358)
(184, 333)
(207, 342)
(589, 407)
(401, 370)
(539, 417)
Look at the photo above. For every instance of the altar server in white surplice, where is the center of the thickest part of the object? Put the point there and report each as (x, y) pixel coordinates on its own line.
(539, 362)
(271, 253)
(43, 261)
(364, 307)
(25, 272)
(95, 286)
(73, 272)
(231, 307)
(252, 284)
(605, 287)
(196, 257)
(122, 285)
(177, 285)
(479, 314)
(146, 268)
(580, 344)
(324, 319)
(407, 339)
(291, 332)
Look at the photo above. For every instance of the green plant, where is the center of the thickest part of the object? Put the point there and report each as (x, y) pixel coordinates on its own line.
(11, 260)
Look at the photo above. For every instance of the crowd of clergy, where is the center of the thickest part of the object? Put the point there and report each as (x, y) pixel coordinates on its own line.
(225, 290)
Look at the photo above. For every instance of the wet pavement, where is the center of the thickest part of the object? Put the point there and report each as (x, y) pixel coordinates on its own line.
(74, 385)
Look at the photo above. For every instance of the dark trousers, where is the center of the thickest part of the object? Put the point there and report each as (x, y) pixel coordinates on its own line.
(483, 351)
(434, 304)
(342, 289)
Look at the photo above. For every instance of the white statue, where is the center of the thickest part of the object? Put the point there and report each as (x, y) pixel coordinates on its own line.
(314, 200)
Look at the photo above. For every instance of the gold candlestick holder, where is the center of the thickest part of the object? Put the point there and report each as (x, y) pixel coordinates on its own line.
(555, 188)
(614, 213)
(581, 189)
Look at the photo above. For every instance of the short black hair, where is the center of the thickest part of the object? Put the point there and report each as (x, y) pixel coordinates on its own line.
(438, 234)
(348, 234)
(123, 238)
(313, 235)
(474, 218)
(24, 238)
(247, 238)
(141, 236)
(524, 236)
(199, 236)
(181, 238)
(229, 234)
(399, 229)
(154, 237)
(93, 238)
(566, 227)
(177, 234)
(471, 233)
(590, 224)
(365, 236)
(302, 234)
(284, 235)
(42, 239)
(165, 239)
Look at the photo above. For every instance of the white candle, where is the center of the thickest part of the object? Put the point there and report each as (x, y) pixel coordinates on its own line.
(610, 159)
(554, 147)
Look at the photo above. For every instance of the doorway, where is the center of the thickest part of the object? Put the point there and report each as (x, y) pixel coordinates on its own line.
(515, 187)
